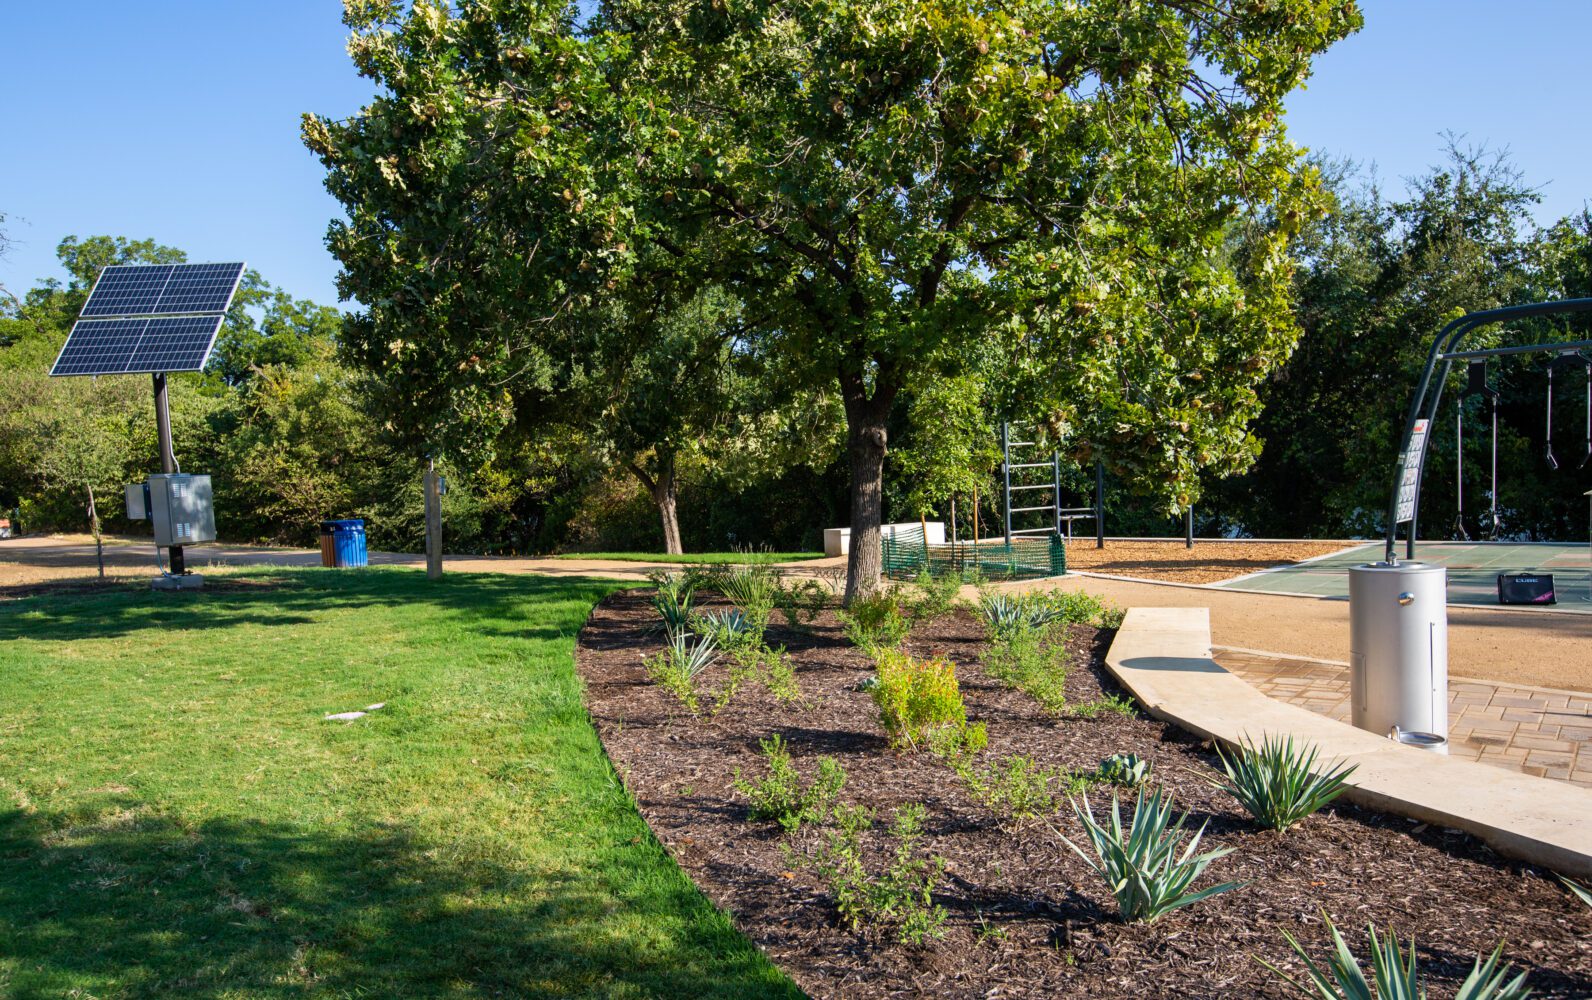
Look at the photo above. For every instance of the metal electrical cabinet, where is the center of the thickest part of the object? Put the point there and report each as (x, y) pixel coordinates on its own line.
(181, 509)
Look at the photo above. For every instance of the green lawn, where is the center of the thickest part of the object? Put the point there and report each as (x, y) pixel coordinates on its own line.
(176, 818)
(695, 557)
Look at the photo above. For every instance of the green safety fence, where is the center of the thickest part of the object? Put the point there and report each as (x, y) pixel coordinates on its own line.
(908, 553)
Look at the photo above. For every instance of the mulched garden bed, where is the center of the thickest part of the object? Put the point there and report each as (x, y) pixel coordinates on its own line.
(1027, 918)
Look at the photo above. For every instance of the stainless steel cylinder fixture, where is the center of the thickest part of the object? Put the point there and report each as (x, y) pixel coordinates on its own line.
(1398, 652)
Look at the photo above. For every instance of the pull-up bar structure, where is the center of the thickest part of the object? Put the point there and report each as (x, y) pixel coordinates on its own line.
(1405, 497)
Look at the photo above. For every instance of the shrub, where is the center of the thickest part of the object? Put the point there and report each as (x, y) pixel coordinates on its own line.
(1277, 781)
(1116, 703)
(936, 595)
(1394, 973)
(957, 745)
(1015, 788)
(1141, 865)
(679, 665)
(780, 795)
(801, 603)
(875, 622)
(902, 895)
(1125, 770)
(916, 696)
(676, 585)
(1025, 660)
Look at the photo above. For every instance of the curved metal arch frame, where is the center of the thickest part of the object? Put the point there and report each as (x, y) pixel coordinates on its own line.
(1445, 349)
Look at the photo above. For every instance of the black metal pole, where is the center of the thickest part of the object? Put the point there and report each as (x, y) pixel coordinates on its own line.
(1188, 527)
(1100, 504)
(168, 458)
(1443, 348)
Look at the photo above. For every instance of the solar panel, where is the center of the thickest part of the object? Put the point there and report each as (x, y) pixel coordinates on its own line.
(162, 289)
(175, 344)
(127, 291)
(150, 318)
(199, 288)
(99, 346)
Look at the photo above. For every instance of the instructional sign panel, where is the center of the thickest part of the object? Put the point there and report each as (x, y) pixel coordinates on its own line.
(1410, 474)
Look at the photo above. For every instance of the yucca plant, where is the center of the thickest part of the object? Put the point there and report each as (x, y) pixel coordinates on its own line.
(1141, 864)
(674, 608)
(1394, 973)
(751, 587)
(1581, 892)
(1279, 782)
(677, 667)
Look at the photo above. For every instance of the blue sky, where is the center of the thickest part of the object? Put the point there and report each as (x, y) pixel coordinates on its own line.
(178, 120)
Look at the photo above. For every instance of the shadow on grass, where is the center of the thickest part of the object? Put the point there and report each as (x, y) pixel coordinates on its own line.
(136, 904)
(276, 596)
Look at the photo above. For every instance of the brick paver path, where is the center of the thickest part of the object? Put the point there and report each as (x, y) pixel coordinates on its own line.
(1536, 730)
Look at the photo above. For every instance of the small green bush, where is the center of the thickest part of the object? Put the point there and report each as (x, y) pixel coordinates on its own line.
(780, 795)
(1141, 864)
(902, 895)
(935, 595)
(1015, 788)
(957, 745)
(1278, 782)
(875, 622)
(1394, 972)
(802, 602)
(1027, 660)
(680, 663)
(917, 696)
(1115, 703)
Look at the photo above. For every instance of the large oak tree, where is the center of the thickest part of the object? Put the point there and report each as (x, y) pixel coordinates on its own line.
(884, 183)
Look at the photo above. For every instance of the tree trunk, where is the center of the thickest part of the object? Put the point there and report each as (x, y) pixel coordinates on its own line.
(866, 440)
(94, 526)
(664, 490)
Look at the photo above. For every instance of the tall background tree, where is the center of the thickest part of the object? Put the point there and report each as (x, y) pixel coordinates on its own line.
(884, 184)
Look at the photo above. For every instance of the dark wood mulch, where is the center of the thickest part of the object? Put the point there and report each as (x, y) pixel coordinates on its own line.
(1026, 917)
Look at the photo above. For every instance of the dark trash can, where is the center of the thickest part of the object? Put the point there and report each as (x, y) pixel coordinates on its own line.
(343, 543)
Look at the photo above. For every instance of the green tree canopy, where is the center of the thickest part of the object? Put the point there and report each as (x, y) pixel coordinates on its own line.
(884, 184)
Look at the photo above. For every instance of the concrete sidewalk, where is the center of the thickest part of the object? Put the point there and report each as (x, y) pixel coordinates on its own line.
(1538, 731)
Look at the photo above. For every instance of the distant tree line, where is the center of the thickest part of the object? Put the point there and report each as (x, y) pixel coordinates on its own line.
(292, 430)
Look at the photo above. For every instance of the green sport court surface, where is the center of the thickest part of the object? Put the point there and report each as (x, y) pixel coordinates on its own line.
(1473, 569)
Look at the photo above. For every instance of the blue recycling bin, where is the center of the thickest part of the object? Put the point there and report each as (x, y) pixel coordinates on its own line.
(343, 543)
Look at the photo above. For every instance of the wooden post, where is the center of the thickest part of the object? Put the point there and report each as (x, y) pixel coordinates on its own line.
(433, 523)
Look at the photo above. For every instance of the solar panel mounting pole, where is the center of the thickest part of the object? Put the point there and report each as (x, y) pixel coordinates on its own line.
(168, 458)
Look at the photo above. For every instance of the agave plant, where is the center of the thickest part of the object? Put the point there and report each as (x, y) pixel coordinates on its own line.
(724, 626)
(1394, 973)
(1006, 614)
(1279, 782)
(1128, 770)
(1141, 864)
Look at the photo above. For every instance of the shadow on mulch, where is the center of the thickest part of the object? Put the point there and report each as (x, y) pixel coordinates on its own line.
(1025, 916)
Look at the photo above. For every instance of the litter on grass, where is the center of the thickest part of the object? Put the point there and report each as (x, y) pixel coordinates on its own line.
(351, 716)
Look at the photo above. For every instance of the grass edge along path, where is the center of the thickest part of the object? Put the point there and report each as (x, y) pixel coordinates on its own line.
(177, 818)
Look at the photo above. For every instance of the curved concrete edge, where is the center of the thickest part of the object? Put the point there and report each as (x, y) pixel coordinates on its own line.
(1163, 657)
